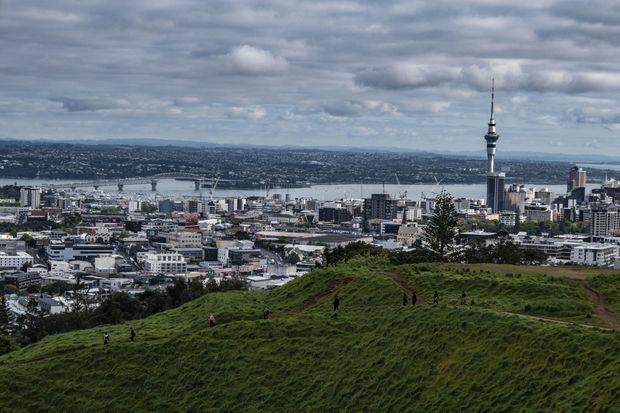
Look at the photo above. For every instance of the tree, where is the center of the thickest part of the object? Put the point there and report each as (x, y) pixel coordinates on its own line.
(351, 250)
(441, 231)
(293, 258)
(517, 227)
(4, 315)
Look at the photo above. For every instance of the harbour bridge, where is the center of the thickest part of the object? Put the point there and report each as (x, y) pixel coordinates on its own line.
(198, 180)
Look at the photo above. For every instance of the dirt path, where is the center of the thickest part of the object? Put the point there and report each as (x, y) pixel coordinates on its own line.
(316, 299)
(553, 320)
(600, 306)
(400, 280)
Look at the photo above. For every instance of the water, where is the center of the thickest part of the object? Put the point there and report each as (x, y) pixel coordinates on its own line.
(178, 189)
(611, 166)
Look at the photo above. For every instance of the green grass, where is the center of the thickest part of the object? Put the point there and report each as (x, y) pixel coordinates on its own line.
(374, 355)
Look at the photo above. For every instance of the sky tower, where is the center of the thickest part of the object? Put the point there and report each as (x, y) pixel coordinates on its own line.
(491, 137)
(495, 180)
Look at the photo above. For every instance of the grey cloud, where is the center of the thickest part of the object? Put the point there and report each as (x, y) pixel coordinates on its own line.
(405, 75)
(351, 108)
(248, 112)
(87, 105)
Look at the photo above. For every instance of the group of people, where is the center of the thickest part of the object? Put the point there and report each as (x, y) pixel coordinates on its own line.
(336, 304)
(414, 299)
(132, 336)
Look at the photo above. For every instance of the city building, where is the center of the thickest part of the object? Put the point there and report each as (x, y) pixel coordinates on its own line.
(594, 254)
(166, 263)
(508, 218)
(576, 179)
(604, 219)
(538, 212)
(380, 206)
(495, 180)
(332, 214)
(69, 251)
(545, 196)
(409, 234)
(30, 197)
(23, 280)
(184, 239)
(14, 260)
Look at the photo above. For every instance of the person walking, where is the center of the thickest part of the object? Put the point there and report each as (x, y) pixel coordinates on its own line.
(405, 300)
(132, 334)
(336, 302)
(414, 298)
(212, 320)
(106, 338)
(265, 313)
(436, 297)
(463, 298)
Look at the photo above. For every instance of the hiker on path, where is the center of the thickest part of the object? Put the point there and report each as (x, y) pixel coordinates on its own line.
(336, 302)
(106, 338)
(212, 320)
(463, 298)
(132, 334)
(265, 313)
(414, 298)
(436, 297)
(405, 299)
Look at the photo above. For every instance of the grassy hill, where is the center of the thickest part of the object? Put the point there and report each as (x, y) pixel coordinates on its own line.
(535, 339)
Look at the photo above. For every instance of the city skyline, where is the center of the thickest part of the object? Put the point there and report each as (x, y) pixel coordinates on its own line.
(313, 74)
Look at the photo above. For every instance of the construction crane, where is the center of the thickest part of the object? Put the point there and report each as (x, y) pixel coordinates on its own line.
(213, 186)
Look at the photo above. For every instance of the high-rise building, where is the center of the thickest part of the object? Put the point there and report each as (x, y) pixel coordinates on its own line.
(604, 219)
(380, 206)
(30, 196)
(495, 180)
(576, 179)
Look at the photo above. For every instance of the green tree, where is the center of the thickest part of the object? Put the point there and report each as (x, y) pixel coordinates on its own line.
(7, 345)
(4, 315)
(293, 258)
(351, 250)
(517, 227)
(442, 229)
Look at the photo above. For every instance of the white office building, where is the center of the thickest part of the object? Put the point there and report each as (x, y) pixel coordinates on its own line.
(594, 254)
(15, 260)
(166, 263)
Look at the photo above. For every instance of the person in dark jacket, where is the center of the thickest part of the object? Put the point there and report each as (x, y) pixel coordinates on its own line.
(405, 300)
(212, 320)
(336, 302)
(265, 313)
(436, 297)
(106, 338)
(414, 298)
(463, 298)
(132, 334)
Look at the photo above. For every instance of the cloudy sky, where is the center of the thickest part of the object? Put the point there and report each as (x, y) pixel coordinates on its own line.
(411, 74)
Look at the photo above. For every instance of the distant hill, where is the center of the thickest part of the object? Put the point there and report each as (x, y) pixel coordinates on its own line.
(516, 155)
(494, 354)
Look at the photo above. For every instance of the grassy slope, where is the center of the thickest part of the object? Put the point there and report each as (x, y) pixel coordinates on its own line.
(373, 355)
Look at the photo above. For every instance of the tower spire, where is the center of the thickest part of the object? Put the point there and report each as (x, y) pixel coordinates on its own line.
(492, 96)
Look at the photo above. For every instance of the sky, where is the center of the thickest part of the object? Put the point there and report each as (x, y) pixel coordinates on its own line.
(409, 74)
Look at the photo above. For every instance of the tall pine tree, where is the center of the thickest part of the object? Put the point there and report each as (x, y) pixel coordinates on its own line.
(441, 231)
